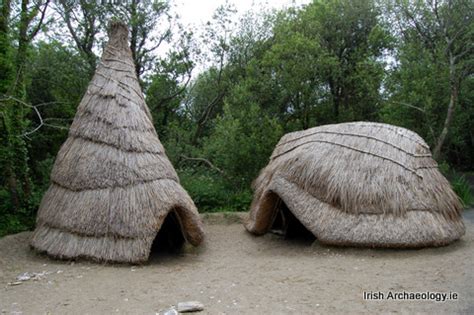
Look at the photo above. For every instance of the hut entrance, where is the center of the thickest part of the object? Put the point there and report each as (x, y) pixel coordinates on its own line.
(286, 224)
(170, 237)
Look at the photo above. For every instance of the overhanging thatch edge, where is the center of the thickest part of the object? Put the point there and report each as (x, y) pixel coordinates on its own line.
(332, 226)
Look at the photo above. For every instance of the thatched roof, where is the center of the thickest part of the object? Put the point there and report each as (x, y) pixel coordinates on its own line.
(361, 184)
(112, 183)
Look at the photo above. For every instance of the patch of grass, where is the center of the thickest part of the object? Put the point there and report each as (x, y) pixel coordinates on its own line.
(460, 183)
(462, 188)
(13, 222)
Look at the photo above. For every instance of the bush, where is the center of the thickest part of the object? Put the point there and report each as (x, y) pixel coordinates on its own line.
(242, 143)
(462, 188)
(211, 192)
(19, 221)
(459, 183)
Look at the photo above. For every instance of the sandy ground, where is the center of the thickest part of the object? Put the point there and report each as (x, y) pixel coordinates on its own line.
(237, 273)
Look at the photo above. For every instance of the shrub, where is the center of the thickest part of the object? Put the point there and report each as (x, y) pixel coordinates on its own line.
(462, 188)
(211, 192)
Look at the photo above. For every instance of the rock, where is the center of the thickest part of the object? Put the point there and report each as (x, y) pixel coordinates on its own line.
(32, 276)
(191, 306)
(170, 311)
(25, 276)
(15, 283)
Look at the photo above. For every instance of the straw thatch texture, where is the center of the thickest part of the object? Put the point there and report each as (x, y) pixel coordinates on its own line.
(112, 183)
(361, 184)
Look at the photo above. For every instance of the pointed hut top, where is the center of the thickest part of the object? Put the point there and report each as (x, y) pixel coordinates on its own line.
(113, 114)
(113, 110)
(117, 30)
(118, 35)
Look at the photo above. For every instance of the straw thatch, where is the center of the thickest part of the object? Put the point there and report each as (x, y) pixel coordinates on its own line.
(112, 183)
(359, 184)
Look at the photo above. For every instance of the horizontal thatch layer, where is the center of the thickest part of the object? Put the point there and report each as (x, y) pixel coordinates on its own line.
(129, 211)
(112, 217)
(98, 166)
(122, 119)
(65, 245)
(362, 175)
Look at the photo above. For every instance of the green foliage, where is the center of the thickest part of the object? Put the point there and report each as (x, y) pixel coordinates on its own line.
(243, 139)
(178, 140)
(212, 193)
(435, 63)
(14, 222)
(351, 42)
(463, 189)
(56, 91)
(6, 63)
(417, 92)
(459, 183)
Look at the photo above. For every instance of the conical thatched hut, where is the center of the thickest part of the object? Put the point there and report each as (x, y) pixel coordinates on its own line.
(357, 184)
(112, 183)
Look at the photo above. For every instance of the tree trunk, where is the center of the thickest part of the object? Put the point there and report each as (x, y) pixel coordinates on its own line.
(451, 108)
(335, 98)
(205, 117)
(134, 36)
(20, 60)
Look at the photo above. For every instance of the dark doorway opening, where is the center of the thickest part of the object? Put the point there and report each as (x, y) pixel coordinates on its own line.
(286, 224)
(170, 237)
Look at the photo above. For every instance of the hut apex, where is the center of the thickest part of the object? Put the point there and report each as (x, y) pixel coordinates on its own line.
(113, 189)
(357, 184)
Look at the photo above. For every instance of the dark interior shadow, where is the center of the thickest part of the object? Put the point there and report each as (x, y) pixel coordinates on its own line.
(169, 241)
(289, 227)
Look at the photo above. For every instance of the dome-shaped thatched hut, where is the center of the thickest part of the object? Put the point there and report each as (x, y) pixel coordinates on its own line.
(112, 183)
(357, 184)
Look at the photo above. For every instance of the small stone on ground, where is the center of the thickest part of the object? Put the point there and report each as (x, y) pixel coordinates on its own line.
(191, 306)
(170, 311)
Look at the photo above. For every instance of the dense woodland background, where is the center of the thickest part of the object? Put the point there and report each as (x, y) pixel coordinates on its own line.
(223, 95)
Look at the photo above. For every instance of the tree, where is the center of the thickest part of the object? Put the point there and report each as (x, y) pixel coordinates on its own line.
(321, 64)
(207, 93)
(84, 20)
(445, 29)
(290, 65)
(243, 139)
(351, 41)
(58, 78)
(14, 156)
(146, 37)
(27, 31)
(6, 58)
(167, 88)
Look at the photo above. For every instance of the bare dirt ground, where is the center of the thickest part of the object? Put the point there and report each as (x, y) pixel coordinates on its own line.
(237, 273)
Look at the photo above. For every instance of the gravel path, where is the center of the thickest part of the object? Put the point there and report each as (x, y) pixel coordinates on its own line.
(236, 273)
